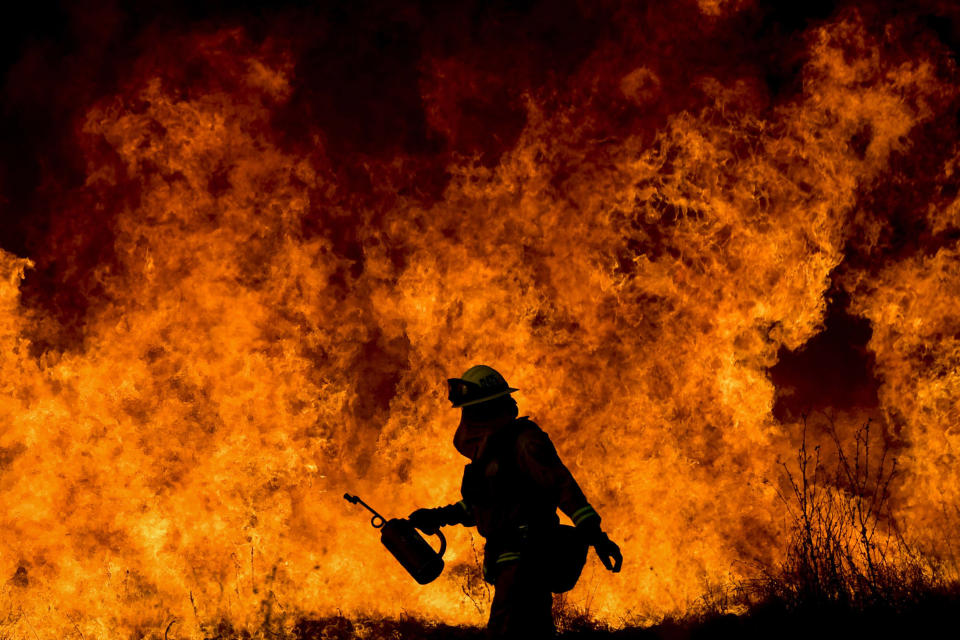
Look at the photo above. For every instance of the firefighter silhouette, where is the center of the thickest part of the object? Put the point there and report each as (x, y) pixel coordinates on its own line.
(511, 490)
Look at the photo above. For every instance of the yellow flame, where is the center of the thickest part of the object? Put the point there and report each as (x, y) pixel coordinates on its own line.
(188, 460)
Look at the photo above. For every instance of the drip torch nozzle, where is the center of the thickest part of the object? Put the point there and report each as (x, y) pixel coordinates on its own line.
(377, 520)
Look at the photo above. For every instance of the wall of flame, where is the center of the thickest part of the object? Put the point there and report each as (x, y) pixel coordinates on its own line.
(268, 325)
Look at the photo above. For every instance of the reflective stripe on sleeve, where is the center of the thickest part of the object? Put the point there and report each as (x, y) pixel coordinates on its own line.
(582, 514)
(463, 505)
(508, 556)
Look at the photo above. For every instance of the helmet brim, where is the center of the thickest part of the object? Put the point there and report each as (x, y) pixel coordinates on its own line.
(498, 394)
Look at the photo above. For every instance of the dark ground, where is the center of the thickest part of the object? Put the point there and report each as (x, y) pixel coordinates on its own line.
(934, 615)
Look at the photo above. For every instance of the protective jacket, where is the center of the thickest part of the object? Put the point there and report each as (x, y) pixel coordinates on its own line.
(512, 487)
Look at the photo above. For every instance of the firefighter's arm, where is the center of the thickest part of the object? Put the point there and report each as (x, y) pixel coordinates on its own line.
(430, 520)
(539, 456)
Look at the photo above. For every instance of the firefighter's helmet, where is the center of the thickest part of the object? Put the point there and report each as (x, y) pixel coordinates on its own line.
(478, 384)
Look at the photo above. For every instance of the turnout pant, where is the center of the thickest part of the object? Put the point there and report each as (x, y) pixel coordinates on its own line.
(522, 603)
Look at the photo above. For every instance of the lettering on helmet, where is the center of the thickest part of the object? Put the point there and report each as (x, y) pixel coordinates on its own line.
(491, 380)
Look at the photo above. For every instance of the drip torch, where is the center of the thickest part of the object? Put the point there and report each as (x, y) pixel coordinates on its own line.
(409, 548)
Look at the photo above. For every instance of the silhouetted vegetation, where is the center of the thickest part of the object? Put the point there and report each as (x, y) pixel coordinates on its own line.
(847, 549)
(849, 572)
(849, 569)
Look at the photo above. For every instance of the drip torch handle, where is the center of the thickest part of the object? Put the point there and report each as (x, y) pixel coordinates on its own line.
(377, 520)
(443, 543)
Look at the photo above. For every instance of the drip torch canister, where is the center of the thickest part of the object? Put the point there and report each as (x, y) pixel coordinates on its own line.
(407, 545)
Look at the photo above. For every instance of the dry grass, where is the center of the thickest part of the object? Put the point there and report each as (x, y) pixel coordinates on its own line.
(849, 572)
(847, 550)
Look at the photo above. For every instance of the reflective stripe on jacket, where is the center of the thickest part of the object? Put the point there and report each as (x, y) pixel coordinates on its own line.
(513, 487)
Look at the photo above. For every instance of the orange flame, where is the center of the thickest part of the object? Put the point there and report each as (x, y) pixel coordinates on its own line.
(269, 337)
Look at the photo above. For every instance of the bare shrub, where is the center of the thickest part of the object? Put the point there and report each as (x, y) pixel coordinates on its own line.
(846, 548)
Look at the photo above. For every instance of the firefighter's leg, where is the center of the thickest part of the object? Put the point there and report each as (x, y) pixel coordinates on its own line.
(522, 604)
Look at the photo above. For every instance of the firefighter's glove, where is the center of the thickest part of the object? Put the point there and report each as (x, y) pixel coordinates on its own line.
(427, 520)
(608, 552)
